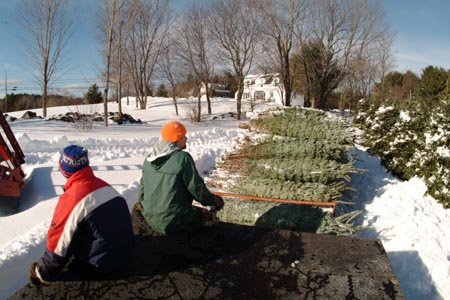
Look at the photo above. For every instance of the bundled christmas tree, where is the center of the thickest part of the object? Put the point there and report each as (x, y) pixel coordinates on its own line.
(300, 154)
(304, 156)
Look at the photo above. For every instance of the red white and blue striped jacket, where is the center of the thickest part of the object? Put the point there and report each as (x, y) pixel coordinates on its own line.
(92, 222)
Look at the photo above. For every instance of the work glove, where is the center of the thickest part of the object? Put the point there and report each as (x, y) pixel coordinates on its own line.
(218, 202)
(35, 277)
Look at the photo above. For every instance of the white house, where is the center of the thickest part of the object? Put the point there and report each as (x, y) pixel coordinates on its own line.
(216, 90)
(267, 87)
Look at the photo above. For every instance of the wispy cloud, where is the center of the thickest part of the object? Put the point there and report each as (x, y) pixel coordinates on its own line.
(416, 57)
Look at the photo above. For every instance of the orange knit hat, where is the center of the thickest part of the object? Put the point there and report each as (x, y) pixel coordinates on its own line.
(173, 131)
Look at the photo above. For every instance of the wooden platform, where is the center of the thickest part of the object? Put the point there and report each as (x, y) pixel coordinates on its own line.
(246, 263)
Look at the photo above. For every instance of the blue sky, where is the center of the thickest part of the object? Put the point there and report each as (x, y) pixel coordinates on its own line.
(423, 36)
(422, 39)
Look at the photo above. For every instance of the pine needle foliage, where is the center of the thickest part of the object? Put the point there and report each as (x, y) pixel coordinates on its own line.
(276, 188)
(301, 154)
(341, 225)
(303, 169)
(306, 125)
(304, 157)
(272, 215)
(413, 140)
(297, 149)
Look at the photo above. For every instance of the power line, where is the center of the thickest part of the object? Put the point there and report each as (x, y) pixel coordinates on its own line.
(56, 80)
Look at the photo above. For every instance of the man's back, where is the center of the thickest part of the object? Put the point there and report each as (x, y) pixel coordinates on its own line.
(91, 221)
(90, 228)
(169, 184)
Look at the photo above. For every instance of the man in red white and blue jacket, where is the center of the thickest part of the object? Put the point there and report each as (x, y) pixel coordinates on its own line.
(91, 225)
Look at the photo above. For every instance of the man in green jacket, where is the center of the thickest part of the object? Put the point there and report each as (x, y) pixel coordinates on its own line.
(169, 184)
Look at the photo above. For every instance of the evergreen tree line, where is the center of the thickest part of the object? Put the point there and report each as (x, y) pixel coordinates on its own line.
(433, 84)
(410, 131)
(24, 101)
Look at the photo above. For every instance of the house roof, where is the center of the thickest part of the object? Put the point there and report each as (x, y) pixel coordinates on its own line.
(265, 78)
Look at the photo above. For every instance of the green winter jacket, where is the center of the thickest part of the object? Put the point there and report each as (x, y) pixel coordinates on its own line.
(169, 184)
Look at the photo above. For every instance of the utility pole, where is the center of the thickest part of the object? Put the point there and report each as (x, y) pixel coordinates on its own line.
(6, 90)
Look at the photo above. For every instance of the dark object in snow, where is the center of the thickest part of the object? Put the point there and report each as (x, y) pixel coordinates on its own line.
(98, 118)
(239, 262)
(9, 118)
(72, 117)
(29, 115)
(225, 116)
(124, 119)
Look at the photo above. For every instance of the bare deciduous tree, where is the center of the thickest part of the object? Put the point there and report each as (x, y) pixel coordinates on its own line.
(194, 48)
(49, 30)
(381, 56)
(110, 26)
(236, 29)
(282, 21)
(346, 31)
(149, 27)
(170, 70)
(372, 66)
(121, 28)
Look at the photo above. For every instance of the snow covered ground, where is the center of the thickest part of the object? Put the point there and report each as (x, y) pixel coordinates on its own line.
(412, 227)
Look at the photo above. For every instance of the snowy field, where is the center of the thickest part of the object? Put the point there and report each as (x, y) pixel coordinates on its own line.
(412, 227)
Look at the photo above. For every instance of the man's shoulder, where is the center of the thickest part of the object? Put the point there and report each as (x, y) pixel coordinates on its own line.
(182, 155)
